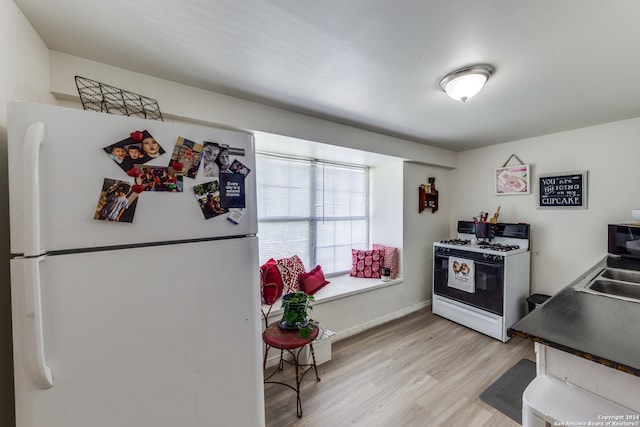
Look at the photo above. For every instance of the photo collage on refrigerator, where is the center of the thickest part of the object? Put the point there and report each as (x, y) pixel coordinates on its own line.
(222, 193)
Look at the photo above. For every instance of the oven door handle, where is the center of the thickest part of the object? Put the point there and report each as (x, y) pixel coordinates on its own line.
(476, 261)
(486, 264)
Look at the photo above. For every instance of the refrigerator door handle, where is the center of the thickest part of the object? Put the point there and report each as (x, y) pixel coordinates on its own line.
(40, 372)
(33, 138)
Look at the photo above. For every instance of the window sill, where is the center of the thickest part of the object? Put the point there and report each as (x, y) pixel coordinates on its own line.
(342, 287)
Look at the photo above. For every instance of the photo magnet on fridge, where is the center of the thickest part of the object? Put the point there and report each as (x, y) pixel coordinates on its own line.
(238, 167)
(208, 197)
(186, 157)
(156, 178)
(117, 202)
(210, 153)
(139, 148)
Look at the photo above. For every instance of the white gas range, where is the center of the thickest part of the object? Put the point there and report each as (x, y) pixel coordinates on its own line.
(481, 277)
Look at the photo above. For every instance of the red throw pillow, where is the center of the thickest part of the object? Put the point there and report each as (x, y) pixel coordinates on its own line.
(312, 281)
(271, 283)
(390, 258)
(290, 268)
(366, 263)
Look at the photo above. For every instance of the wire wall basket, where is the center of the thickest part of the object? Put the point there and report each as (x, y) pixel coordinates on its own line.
(105, 98)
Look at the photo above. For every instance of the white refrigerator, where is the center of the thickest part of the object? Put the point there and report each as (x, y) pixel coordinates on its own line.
(150, 319)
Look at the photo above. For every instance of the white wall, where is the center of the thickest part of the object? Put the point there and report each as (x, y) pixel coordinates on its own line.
(568, 241)
(24, 75)
(386, 199)
(420, 230)
(181, 102)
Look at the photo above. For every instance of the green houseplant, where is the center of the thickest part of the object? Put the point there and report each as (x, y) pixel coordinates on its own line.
(296, 312)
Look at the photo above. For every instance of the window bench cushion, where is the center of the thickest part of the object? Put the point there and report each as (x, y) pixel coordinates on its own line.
(341, 287)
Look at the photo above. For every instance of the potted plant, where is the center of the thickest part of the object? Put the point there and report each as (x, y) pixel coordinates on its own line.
(296, 312)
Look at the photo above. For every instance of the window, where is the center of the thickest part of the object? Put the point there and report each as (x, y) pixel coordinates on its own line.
(314, 209)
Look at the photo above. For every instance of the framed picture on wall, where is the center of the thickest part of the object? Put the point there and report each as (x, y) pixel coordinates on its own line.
(512, 180)
(567, 190)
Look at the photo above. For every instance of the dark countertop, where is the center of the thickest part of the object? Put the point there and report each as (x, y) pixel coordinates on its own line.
(602, 329)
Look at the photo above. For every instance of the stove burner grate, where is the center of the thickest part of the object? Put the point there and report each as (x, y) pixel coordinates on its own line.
(498, 247)
(457, 242)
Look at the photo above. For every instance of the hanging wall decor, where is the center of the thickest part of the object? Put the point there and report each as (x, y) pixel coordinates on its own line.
(512, 179)
(566, 190)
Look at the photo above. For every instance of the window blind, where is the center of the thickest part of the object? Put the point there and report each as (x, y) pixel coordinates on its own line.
(311, 208)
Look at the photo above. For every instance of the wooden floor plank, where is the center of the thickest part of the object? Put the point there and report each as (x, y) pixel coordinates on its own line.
(420, 370)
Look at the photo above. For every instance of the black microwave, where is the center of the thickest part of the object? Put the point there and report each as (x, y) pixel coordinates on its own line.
(624, 240)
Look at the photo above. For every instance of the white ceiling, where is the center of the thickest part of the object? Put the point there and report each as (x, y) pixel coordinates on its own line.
(376, 64)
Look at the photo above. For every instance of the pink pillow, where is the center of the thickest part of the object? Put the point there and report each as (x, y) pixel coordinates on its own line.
(390, 258)
(270, 281)
(290, 268)
(312, 281)
(366, 263)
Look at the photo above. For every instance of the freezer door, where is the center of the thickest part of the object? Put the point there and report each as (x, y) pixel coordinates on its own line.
(57, 168)
(159, 336)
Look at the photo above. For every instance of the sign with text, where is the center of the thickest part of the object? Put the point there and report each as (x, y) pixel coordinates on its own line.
(232, 190)
(563, 190)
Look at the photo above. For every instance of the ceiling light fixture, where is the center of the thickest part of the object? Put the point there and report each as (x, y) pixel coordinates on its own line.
(466, 82)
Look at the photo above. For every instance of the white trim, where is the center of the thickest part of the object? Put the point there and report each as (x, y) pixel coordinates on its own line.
(541, 358)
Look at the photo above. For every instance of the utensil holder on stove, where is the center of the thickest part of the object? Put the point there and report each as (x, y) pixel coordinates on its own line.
(485, 230)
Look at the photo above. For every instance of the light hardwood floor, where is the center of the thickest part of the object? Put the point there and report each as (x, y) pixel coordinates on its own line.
(421, 370)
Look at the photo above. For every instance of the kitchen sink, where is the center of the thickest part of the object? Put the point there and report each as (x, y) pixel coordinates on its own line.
(622, 275)
(613, 283)
(622, 289)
